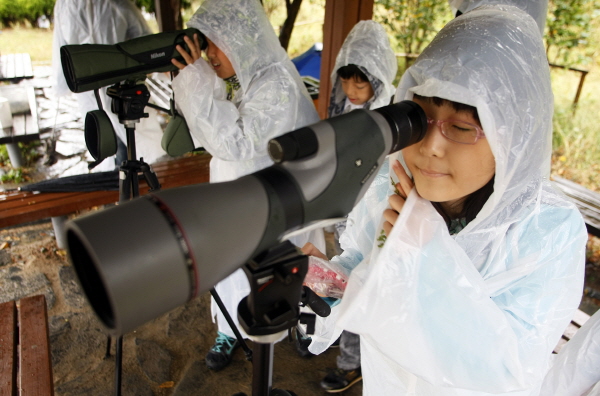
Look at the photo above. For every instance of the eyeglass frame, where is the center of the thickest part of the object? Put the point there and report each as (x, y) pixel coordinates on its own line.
(438, 123)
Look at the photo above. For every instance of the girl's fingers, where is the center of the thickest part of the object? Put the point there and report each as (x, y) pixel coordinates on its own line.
(396, 202)
(310, 250)
(177, 64)
(193, 46)
(197, 44)
(387, 228)
(186, 56)
(390, 216)
(405, 182)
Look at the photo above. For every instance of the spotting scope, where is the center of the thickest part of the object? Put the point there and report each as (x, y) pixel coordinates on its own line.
(92, 66)
(145, 257)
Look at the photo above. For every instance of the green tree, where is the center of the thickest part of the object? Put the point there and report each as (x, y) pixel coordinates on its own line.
(413, 23)
(568, 30)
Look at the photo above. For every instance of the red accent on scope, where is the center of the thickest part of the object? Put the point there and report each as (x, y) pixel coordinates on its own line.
(295, 270)
(138, 92)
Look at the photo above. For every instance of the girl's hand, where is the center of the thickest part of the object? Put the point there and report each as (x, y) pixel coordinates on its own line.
(310, 250)
(189, 57)
(397, 200)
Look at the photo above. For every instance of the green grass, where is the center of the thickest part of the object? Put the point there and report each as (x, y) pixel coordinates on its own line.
(37, 42)
(577, 133)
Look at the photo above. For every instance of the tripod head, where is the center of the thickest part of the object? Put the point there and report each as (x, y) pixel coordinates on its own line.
(276, 293)
(129, 100)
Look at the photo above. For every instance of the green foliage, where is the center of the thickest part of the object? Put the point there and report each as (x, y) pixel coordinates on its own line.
(149, 4)
(568, 30)
(18, 11)
(30, 154)
(13, 176)
(413, 23)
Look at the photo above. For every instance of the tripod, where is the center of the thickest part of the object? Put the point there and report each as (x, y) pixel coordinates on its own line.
(273, 307)
(128, 102)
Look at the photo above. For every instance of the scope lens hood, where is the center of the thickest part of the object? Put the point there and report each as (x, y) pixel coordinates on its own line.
(100, 137)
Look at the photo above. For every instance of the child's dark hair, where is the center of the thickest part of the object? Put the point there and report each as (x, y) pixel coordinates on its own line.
(460, 107)
(472, 203)
(352, 72)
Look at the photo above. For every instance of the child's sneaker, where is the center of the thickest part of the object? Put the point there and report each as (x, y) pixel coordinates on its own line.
(339, 380)
(302, 343)
(220, 354)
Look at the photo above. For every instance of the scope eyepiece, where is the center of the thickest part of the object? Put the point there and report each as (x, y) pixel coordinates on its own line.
(294, 145)
(405, 116)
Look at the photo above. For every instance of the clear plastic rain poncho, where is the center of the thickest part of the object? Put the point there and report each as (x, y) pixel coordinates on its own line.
(103, 22)
(576, 369)
(538, 9)
(478, 312)
(368, 47)
(271, 101)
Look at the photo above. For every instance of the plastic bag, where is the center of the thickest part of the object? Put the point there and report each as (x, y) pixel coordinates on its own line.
(326, 278)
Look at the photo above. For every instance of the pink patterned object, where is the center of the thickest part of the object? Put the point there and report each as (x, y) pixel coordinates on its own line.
(324, 279)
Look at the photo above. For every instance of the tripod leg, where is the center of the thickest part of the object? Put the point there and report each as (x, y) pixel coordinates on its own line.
(108, 342)
(262, 369)
(118, 366)
(237, 333)
(124, 184)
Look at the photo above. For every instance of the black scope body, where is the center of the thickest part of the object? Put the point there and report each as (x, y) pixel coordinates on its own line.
(91, 66)
(181, 242)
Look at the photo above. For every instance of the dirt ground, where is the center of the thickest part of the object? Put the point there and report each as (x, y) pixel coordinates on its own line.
(163, 357)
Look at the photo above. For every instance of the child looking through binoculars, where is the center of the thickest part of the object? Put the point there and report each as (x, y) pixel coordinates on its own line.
(247, 93)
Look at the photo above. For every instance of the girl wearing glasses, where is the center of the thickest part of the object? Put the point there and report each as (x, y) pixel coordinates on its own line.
(467, 267)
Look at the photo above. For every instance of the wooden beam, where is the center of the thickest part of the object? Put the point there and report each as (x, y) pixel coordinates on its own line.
(36, 361)
(340, 18)
(8, 348)
(168, 15)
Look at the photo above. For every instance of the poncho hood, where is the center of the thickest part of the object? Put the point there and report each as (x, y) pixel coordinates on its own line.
(536, 8)
(368, 47)
(242, 31)
(503, 72)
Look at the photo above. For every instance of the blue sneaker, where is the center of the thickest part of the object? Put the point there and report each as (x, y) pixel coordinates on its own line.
(220, 354)
(302, 343)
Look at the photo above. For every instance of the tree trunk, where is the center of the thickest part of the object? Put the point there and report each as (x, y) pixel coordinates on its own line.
(292, 7)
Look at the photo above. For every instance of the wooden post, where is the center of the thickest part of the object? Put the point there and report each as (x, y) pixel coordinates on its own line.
(168, 15)
(579, 88)
(583, 74)
(340, 18)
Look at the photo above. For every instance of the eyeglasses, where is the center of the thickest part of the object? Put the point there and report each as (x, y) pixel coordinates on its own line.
(458, 131)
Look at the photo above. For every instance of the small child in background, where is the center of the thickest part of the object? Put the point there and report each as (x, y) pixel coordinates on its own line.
(362, 79)
(364, 70)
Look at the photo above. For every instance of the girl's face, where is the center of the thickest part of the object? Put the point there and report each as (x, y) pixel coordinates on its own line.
(357, 91)
(218, 60)
(445, 171)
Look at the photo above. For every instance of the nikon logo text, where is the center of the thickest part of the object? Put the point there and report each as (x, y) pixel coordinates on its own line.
(157, 55)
